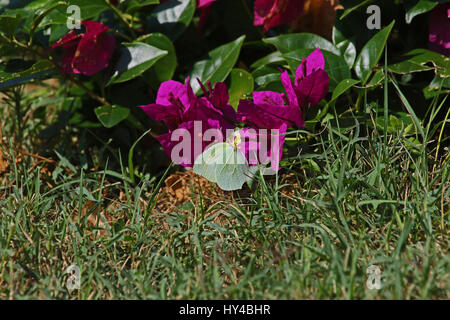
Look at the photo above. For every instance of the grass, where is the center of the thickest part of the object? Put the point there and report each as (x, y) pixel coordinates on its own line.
(357, 198)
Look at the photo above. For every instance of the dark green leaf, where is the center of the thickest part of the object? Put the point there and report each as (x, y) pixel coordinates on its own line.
(290, 42)
(9, 23)
(346, 47)
(42, 15)
(13, 75)
(350, 10)
(423, 60)
(136, 57)
(218, 65)
(273, 58)
(376, 80)
(342, 87)
(109, 116)
(417, 7)
(172, 17)
(137, 4)
(268, 78)
(241, 84)
(371, 53)
(164, 68)
(89, 9)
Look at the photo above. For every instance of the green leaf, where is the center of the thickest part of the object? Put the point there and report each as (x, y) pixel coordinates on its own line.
(290, 42)
(376, 80)
(14, 72)
(371, 53)
(218, 65)
(342, 87)
(346, 47)
(273, 58)
(136, 57)
(438, 82)
(89, 9)
(423, 60)
(268, 78)
(134, 5)
(109, 116)
(223, 164)
(164, 68)
(350, 10)
(38, 5)
(172, 17)
(335, 66)
(400, 122)
(418, 7)
(9, 23)
(42, 15)
(408, 66)
(241, 84)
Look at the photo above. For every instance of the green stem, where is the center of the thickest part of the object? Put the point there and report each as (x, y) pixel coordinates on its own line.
(120, 34)
(121, 17)
(39, 19)
(358, 100)
(17, 105)
(440, 134)
(386, 101)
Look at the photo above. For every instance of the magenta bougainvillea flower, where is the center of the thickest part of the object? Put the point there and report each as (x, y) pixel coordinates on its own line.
(89, 52)
(439, 28)
(273, 13)
(179, 108)
(176, 103)
(272, 109)
(311, 81)
(267, 110)
(189, 135)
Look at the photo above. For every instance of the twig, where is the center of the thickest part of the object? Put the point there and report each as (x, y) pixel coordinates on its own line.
(28, 153)
(66, 76)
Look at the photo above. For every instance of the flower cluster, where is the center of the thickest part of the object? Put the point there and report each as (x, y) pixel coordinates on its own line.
(186, 114)
(266, 118)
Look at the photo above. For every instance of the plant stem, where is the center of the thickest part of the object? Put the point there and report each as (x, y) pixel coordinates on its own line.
(358, 100)
(121, 17)
(120, 34)
(17, 99)
(440, 134)
(69, 77)
(386, 101)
